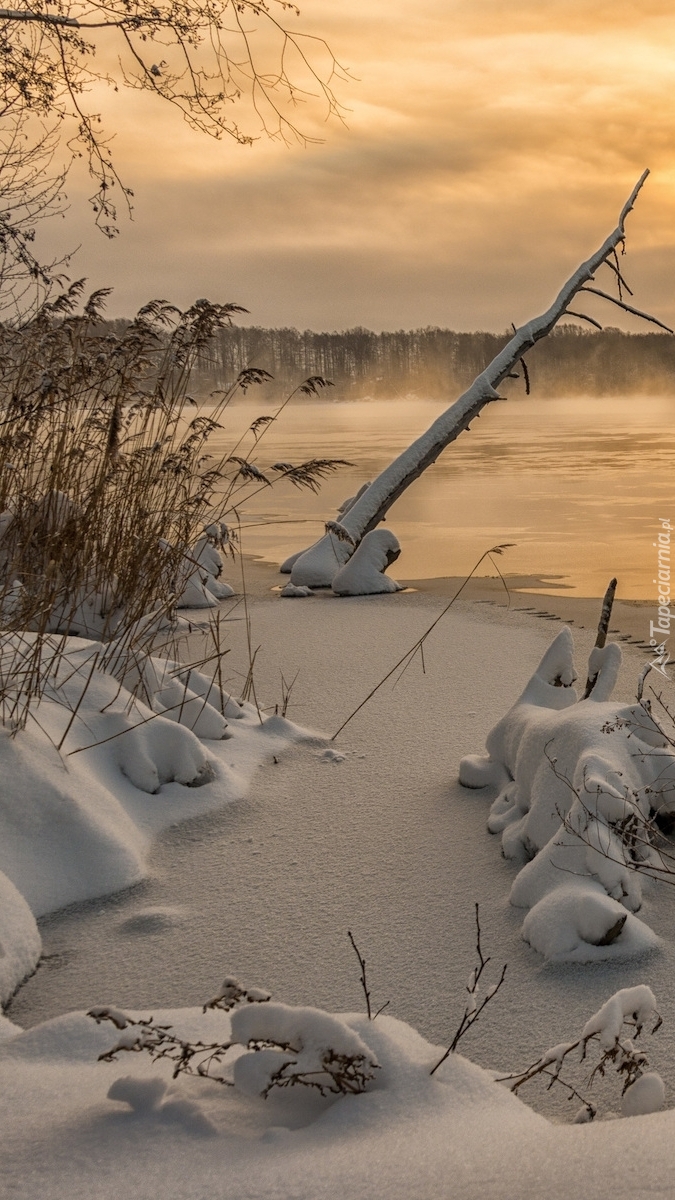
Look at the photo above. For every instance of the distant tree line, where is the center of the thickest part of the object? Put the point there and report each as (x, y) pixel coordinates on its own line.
(440, 363)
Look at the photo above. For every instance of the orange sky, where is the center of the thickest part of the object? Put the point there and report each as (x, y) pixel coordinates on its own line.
(488, 148)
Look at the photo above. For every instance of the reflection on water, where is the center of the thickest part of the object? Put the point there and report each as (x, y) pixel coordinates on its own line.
(578, 484)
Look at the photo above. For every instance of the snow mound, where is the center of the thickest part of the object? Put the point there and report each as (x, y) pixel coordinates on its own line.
(147, 1098)
(317, 566)
(202, 586)
(20, 944)
(583, 924)
(111, 757)
(308, 1045)
(363, 574)
(323, 564)
(646, 1095)
(291, 592)
(577, 779)
(406, 1135)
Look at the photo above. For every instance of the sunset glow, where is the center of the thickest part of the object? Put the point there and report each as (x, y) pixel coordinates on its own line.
(486, 149)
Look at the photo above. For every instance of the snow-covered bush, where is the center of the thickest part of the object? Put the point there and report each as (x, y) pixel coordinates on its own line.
(579, 785)
(643, 1090)
(267, 1046)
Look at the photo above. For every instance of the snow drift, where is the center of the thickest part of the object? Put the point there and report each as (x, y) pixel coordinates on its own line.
(579, 782)
(117, 747)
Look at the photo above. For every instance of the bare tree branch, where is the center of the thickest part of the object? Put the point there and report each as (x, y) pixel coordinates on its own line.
(637, 312)
(205, 57)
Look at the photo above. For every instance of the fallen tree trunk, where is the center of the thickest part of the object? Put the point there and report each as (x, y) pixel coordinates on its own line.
(372, 506)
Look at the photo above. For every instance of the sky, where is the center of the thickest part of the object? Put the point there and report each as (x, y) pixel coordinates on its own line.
(486, 150)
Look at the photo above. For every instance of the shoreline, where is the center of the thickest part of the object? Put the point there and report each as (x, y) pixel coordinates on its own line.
(530, 595)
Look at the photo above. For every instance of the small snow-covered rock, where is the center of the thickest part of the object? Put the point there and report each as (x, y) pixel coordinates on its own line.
(363, 574)
(292, 592)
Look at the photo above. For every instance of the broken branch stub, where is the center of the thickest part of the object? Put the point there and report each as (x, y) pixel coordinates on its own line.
(603, 629)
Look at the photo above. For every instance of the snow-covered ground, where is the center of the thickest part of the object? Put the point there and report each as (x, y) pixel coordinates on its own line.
(383, 841)
(98, 771)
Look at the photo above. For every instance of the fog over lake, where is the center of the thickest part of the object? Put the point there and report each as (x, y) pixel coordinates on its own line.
(578, 484)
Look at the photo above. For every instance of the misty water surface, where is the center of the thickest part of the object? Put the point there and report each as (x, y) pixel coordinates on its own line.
(578, 484)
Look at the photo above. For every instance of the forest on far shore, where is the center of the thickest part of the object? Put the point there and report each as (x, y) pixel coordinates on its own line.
(439, 363)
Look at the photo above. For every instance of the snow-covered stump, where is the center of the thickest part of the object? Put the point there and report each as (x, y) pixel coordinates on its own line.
(318, 566)
(323, 556)
(364, 573)
(578, 785)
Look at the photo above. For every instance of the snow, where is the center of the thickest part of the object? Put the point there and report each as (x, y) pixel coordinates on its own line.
(363, 574)
(307, 1041)
(120, 1133)
(322, 559)
(20, 943)
(295, 1143)
(97, 772)
(316, 567)
(571, 773)
(292, 592)
(637, 1004)
(78, 1128)
(646, 1095)
(203, 587)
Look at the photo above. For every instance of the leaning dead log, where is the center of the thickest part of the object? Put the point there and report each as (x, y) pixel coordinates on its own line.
(317, 566)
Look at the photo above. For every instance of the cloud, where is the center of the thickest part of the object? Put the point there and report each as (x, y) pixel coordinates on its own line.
(487, 150)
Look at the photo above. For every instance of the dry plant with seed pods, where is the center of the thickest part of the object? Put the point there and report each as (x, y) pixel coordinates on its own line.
(107, 485)
(285, 1046)
(642, 1091)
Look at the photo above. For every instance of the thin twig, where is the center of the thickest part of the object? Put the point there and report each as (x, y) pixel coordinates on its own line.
(420, 641)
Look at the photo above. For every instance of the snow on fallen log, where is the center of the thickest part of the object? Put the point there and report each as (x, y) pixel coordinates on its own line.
(318, 565)
(580, 784)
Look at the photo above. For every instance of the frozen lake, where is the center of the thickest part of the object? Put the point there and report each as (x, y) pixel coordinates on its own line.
(578, 484)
